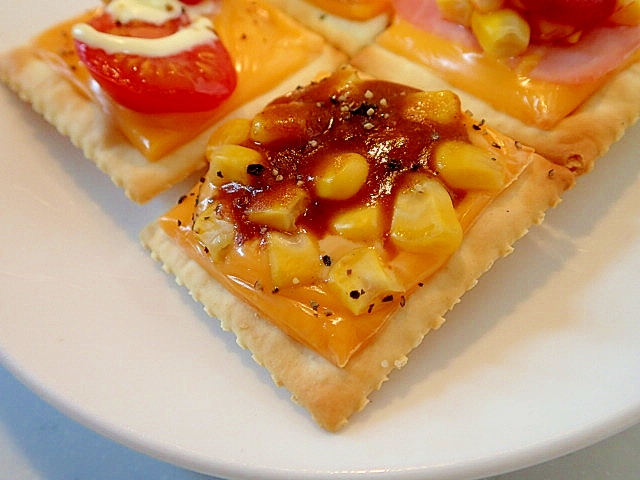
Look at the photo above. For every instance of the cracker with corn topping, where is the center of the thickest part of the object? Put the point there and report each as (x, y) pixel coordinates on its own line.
(337, 227)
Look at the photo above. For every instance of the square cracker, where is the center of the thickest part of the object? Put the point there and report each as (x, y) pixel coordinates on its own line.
(332, 394)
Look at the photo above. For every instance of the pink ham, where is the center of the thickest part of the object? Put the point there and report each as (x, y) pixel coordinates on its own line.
(598, 53)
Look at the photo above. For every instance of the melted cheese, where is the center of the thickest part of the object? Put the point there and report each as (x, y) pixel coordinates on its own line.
(538, 103)
(265, 45)
(311, 314)
(353, 9)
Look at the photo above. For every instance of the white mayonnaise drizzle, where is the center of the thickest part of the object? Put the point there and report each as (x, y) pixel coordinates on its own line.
(150, 11)
(198, 32)
(155, 12)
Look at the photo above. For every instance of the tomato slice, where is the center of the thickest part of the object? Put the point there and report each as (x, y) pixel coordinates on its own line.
(195, 80)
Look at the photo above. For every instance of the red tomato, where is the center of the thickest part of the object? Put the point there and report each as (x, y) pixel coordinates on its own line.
(195, 80)
(580, 14)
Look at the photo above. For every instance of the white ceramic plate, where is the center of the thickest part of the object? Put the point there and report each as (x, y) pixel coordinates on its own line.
(541, 358)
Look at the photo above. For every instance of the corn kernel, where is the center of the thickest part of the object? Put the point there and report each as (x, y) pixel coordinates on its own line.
(234, 131)
(362, 223)
(465, 166)
(424, 219)
(292, 122)
(485, 6)
(627, 13)
(278, 208)
(360, 278)
(502, 33)
(293, 259)
(229, 163)
(341, 176)
(216, 234)
(458, 11)
(442, 107)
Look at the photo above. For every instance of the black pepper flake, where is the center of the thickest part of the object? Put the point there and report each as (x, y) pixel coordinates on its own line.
(314, 305)
(394, 165)
(355, 294)
(255, 169)
(349, 271)
(403, 301)
(179, 222)
(421, 284)
(388, 298)
(326, 259)
(206, 249)
(364, 109)
(370, 309)
(219, 174)
(476, 127)
(182, 199)
(275, 290)
(551, 173)
(495, 145)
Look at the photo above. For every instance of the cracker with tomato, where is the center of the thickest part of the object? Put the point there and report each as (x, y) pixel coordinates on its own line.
(335, 229)
(559, 75)
(139, 93)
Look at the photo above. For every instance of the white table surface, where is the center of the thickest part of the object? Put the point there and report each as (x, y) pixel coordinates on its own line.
(39, 443)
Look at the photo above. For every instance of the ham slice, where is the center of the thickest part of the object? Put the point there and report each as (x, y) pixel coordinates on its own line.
(599, 52)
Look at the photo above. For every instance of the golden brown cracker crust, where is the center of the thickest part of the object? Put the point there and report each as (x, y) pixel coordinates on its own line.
(575, 142)
(332, 394)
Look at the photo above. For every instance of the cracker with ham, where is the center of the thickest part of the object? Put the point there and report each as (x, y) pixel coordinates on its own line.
(146, 153)
(332, 244)
(569, 101)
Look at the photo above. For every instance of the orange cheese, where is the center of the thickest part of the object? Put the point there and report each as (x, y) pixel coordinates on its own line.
(509, 90)
(311, 313)
(265, 45)
(353, 9)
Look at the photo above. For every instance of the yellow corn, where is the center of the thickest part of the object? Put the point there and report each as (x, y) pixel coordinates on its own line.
(341, 176)
(360, 279)
(424, 219)
(458, 11)
(502, 33)
(464, 166)
(442, 107)
(229, 163)
(279, 208)
(293, 259)
(234, 131)
(359, 223)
